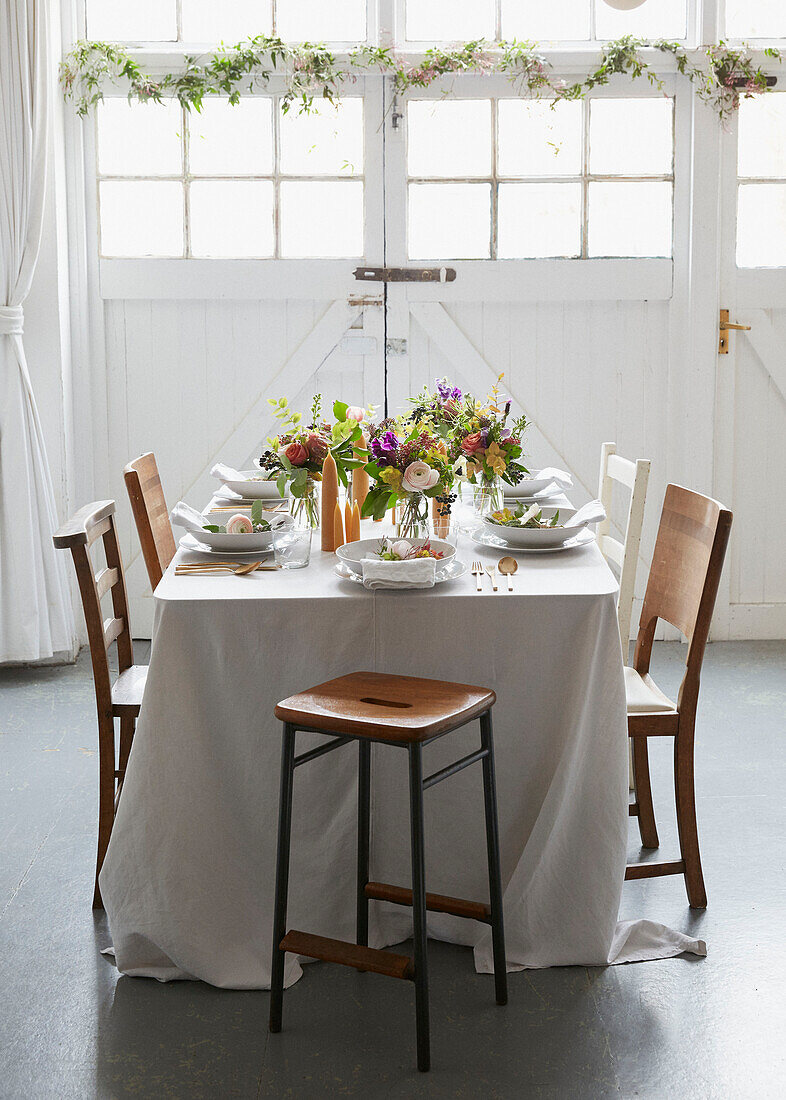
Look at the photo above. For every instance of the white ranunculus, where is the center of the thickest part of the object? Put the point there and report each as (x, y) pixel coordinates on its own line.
(419, 476)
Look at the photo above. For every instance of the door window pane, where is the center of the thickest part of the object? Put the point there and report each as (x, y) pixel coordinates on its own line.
(231, 218)
(139, 139)
(449, 220)
(321, 20)
(761, 225)
(761, 146)
(217, 21)
(539, 219)
(327, 142)
(321, 218)
(631, 137)
(630, 219)
(755, 18)
(449, 137)
(141, 218)
(449, 20)
(655, 19)
(140, 21)
(554, 20)
(231, 140)
(536, 139)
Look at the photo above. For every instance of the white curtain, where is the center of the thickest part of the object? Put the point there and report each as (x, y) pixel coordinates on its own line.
(36, 620)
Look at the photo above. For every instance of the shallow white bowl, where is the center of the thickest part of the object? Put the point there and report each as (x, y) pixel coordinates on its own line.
(527, 487)
(253, 489)
(535, 537)
(352, 553)
(242, 544)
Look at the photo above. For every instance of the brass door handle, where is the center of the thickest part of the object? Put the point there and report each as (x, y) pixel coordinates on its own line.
(724, 324)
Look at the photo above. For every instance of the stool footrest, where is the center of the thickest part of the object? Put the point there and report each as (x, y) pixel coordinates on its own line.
(437, 903)
(349, 954)
(654, 870)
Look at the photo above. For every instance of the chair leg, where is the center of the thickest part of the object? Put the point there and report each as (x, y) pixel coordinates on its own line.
(364, 827)
(492, 849)
(641, 779)
(106, 798)
(685, 796)
(282, 875)
(127, 728)
(419, 904)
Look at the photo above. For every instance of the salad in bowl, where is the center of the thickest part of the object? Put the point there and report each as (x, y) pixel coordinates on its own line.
(531, 527)
(244, 532)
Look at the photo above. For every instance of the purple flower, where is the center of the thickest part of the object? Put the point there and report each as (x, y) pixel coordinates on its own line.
(484, 437)
(447, 392)
(384, 450)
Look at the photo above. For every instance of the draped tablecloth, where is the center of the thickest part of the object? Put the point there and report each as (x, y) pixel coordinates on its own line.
(189, 875)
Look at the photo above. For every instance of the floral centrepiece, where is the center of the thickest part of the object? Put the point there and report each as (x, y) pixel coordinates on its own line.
(408, 464)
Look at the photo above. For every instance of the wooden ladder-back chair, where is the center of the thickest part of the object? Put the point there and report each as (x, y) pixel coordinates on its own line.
(151, 515)
(625, 554)
(681, 589)
(121, 699)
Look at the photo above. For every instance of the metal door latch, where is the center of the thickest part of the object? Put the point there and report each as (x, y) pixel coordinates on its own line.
(405, 274)
(723, 327)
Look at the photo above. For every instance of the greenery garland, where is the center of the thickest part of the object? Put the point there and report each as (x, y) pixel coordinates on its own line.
(721, 75)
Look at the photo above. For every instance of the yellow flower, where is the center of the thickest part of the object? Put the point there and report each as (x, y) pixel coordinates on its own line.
(392, 477)
(495, 458)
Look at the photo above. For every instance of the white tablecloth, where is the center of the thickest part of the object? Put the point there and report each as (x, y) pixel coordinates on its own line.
(189, 875)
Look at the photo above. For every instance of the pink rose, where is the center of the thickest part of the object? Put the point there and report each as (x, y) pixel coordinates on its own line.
(296, 453)
(471, 444)
(354, 412)
(317, 447)
(419, 476)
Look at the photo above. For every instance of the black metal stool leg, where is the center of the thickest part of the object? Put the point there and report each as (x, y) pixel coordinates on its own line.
(364, 826)
(282, 875)
(492, 847)
(419, 904)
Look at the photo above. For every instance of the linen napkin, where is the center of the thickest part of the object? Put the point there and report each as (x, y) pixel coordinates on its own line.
(593, 512)
(417, 573)
(560, 477)
(183, 515)
(226, 473)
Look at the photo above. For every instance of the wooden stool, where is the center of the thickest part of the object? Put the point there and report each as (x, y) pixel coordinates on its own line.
(392, 710)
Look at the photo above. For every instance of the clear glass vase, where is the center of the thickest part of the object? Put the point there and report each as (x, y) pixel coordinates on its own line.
(487, 496)
(305, 509)
(412, 517)
(442, 518)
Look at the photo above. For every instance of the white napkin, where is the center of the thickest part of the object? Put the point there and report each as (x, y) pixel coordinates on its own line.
(226, 473)
(185, 516)
(593, 512)
(559, 477)
(417, 573)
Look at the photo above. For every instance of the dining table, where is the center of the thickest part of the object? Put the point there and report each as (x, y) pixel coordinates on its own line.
(188, 879)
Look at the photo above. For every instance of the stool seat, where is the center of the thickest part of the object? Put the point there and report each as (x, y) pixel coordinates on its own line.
(403, 709)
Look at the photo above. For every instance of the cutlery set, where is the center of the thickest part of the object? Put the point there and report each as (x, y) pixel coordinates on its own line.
(228, 568)
(506, 566)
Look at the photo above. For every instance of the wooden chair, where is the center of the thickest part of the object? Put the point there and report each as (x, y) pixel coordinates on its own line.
(151, 515)
(121, 699)
(625, 554)
(409, 712)
(681, 590)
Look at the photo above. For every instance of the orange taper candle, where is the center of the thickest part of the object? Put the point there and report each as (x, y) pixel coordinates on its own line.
(360, 482)
(355, 522)
(329, 501)
(338, 527)
(348, 519)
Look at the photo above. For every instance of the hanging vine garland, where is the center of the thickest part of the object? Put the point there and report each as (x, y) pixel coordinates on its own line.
(721, 75)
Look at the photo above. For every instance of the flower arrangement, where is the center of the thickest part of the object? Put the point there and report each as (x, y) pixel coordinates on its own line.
(401, 550)
(408, 462)
(295, 455)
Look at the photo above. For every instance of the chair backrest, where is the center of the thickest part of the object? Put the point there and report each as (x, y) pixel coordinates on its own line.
(151, 515)
(625, 554)
(97, 521)
(684, 576)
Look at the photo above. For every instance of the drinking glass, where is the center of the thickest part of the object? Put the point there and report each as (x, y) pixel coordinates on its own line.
(292, 547)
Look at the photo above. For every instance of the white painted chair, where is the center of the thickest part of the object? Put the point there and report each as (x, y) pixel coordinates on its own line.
(623, 555)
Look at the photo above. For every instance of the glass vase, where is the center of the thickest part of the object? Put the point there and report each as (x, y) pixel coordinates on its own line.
(412, 517)
(487, 496)
(442, 517)
(305, 509)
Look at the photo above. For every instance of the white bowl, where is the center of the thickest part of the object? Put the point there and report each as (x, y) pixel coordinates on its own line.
(527, 487)
(254, 486)
(352, 553)
(535, 537)
(246, 543)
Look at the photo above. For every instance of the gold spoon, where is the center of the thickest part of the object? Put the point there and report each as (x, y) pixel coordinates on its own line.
(508, 566)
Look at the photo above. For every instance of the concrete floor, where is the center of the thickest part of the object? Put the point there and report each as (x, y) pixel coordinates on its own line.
(685, 1027)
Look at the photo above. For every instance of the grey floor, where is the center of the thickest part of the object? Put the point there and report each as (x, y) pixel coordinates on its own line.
(684, 1027)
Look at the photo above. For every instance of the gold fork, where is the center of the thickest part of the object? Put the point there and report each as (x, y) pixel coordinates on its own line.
(477, 573)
